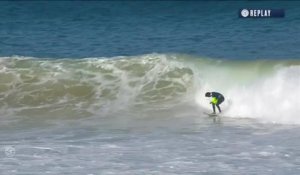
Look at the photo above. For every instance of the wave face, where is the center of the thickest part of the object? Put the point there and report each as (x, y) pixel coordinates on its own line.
(90, 86)
(263, 89)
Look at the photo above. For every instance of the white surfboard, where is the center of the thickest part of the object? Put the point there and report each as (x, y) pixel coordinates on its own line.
(211, 114)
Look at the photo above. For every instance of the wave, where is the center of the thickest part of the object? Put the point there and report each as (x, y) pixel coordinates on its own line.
(264, 89)
(34, 86)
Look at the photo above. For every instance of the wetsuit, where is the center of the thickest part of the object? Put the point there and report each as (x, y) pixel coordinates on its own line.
(217, 99)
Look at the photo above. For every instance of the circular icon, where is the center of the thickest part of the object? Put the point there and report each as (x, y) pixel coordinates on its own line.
(9, 151)
(244, 13)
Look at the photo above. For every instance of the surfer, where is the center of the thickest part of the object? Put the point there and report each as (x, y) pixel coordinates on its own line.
(216, 100)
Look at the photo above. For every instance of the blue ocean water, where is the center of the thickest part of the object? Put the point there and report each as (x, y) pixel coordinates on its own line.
(100, 87)
(79, 29)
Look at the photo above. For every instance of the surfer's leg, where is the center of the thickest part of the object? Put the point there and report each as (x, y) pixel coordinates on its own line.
(219, 108)
(218, 104)
(213, 105)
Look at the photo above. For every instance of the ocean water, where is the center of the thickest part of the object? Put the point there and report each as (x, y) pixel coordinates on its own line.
(118, 88)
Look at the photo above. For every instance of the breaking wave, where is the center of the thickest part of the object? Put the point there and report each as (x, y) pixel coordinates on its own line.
(264, 89)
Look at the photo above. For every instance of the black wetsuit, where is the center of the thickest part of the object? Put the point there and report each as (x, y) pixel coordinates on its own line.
(220, 98)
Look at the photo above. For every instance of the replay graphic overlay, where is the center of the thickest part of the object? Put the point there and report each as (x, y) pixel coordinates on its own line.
(261, 13)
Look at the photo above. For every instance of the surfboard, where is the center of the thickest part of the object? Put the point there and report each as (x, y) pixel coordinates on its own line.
(211, 114)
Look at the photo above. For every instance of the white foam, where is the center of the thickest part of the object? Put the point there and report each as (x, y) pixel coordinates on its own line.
(272, 99)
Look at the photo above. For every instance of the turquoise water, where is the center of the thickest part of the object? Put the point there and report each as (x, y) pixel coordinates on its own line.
(118, 88)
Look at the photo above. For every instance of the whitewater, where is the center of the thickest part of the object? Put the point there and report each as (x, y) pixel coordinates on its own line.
(144, 115)
(266, 90)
